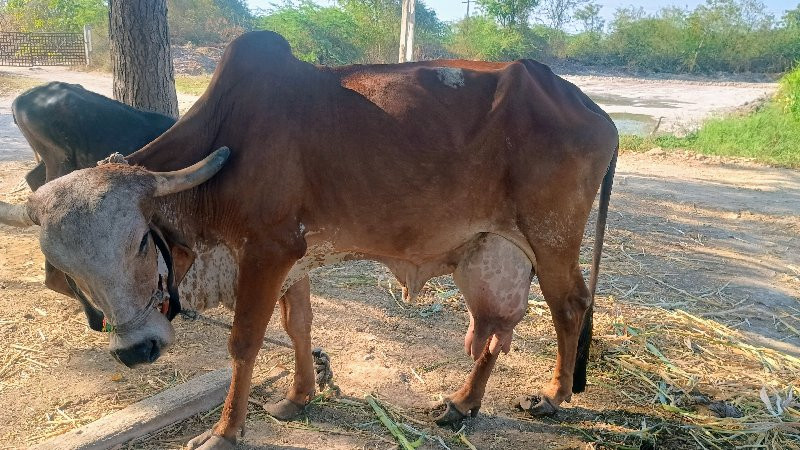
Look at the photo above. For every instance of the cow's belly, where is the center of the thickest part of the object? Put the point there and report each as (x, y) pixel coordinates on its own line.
(411, 272)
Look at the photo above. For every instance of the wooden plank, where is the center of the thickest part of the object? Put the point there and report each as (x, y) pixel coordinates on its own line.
(173, 405)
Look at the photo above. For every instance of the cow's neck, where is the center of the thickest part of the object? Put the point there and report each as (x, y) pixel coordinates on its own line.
(211, 279)
(185, 143)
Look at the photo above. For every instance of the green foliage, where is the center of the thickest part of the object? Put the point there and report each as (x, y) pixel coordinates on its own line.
(509, 13)
(791, 19)
(789, 94)
(558, 13)
(589, 16)
(481, 38)
(356, 31)
(53, 15)
(769, 135)
(321, 35)
(207, 21)
(721, 35)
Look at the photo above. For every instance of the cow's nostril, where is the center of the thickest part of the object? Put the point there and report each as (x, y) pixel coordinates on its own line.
(142, 353)
(155, 351)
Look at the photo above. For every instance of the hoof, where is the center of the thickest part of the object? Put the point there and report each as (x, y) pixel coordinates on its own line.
(322, 368)
(284, 409)
(451, 415)
(535, 405)
(210, 441)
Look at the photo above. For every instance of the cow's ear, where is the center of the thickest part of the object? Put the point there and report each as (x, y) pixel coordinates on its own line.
(182, 259)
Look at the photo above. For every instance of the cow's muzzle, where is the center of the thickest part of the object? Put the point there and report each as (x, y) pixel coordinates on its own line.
(145, 352)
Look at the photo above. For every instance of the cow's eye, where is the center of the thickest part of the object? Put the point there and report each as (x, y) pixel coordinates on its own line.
(143, 245)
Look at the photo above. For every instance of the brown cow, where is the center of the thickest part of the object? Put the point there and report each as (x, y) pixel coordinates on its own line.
(486, 171)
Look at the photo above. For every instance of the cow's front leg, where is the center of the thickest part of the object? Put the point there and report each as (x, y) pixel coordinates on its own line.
(260, 279)
(296, 318)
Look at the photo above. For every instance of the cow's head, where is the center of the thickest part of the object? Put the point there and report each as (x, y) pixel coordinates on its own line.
(96, 228)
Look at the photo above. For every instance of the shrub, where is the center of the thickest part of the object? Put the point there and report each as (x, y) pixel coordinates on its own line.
(789, 94)
(317, 35)
(482, 38)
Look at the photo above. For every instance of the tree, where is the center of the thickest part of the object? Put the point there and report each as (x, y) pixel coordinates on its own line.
(317, 34)
(791, 18)
(509, 13)
(207, 21)
(558, 13)
(589, 17)
(353, 31)
(144, 76)
(482, 38)
(53, 15)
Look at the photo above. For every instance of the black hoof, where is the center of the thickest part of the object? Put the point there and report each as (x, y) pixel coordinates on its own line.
(535, 405)
(284, 410)
(452, 416)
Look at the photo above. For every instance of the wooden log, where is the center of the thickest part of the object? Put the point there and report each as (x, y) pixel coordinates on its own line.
(173, 405)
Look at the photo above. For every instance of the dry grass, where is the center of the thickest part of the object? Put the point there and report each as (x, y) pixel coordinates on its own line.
(724, 390)
(14, 84)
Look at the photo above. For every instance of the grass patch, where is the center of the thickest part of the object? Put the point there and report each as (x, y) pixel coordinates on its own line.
(192, 84)
(15, 84)
(769, 136)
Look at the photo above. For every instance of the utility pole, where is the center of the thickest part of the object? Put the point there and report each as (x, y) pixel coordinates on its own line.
(467, 2)
(406, 53)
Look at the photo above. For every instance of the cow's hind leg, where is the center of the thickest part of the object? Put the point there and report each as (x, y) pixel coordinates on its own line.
(494, 277)
(568, 299)
(296, 318)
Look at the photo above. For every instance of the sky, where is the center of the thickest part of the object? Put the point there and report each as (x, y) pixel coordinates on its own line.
(454, 9)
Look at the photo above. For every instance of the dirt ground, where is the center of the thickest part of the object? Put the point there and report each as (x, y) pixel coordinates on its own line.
(699, 293)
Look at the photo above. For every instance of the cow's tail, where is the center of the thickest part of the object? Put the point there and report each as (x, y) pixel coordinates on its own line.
(585, 339)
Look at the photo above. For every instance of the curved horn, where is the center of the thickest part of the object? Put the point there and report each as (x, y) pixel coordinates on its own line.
(180, 180)
(15, 215)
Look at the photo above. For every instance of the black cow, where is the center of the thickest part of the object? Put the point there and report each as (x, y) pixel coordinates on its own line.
(71, 128)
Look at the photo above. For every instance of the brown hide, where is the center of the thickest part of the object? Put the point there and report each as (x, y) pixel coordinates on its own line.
(406, 164)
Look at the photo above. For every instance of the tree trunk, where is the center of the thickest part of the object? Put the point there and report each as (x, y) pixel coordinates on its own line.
(144, 76)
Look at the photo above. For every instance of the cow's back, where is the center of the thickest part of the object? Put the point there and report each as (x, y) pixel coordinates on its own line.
(453, 101)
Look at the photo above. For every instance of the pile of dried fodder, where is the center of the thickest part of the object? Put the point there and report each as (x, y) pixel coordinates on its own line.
(721, 390)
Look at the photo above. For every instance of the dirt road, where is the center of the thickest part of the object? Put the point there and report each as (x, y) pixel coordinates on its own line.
(700, 290)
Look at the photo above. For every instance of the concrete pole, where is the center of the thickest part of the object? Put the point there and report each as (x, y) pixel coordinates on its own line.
(87, 43)
(406, 52)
